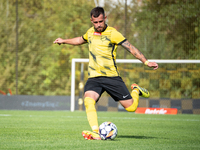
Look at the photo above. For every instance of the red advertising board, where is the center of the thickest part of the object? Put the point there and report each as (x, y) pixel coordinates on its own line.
(144, 110)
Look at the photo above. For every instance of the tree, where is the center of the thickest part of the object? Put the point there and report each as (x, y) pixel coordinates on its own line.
(171, 28)
(160, 29)
(44, 68)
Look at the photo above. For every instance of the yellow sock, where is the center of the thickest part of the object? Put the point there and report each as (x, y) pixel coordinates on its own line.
(135, 96)
(91, 113)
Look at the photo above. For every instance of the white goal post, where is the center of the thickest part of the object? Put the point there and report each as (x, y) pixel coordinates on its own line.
(75, 60)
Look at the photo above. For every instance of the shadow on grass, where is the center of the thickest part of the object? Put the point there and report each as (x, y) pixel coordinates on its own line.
(136, 137)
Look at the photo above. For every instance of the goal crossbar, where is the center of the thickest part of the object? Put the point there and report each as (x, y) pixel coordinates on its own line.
(85, 60)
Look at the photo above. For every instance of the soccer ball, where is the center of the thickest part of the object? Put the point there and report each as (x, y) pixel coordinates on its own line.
(107, 130)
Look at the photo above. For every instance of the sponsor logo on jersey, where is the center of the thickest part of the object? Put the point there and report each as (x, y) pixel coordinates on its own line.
(97, 33)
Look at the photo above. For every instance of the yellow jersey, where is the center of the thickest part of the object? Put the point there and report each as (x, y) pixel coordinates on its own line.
(102, 51)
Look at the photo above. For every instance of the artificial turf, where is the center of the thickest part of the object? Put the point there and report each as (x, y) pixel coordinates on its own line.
(54, 130)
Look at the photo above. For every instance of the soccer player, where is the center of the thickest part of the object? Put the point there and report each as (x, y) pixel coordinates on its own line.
(103, 74)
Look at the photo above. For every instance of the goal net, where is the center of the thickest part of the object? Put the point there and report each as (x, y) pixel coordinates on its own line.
(175, 84)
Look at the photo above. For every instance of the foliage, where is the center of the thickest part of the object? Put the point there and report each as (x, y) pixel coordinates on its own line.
(169, 29)
(41, 64)
(160, 29)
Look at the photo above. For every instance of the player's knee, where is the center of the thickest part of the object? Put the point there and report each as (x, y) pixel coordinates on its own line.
(131, 108)
(88, 102)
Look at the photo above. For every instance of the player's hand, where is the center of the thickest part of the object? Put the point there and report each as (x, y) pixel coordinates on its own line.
(153, 65)
(59, 41)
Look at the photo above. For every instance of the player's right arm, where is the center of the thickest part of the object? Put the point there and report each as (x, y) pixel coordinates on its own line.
(73, 41)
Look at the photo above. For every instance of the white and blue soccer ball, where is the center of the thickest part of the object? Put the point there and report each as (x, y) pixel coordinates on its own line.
(108, 130)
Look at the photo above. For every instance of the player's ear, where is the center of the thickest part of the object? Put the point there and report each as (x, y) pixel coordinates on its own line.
(91, 20)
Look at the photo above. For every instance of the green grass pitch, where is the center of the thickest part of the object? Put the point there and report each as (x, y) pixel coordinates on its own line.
(55, 130)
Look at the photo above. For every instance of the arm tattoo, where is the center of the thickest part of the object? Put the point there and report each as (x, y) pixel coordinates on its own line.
(126, 45)
(134, 51)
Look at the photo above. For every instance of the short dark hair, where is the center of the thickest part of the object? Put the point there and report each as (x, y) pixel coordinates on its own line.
(95, 12)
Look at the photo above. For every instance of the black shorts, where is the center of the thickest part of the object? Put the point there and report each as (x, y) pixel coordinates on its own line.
(114, 86)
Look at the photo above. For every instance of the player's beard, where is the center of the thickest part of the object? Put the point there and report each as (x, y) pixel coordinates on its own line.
(100, 28)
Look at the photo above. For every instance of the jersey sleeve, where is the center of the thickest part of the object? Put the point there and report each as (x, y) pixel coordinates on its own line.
(117, 37)
(85, 36)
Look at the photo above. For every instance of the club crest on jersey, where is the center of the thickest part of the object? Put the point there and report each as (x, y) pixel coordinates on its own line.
(97, 33)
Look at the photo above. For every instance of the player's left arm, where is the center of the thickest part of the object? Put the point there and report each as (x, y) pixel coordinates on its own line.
(135, 52)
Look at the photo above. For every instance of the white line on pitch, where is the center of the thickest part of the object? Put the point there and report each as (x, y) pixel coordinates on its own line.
(84, 117)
